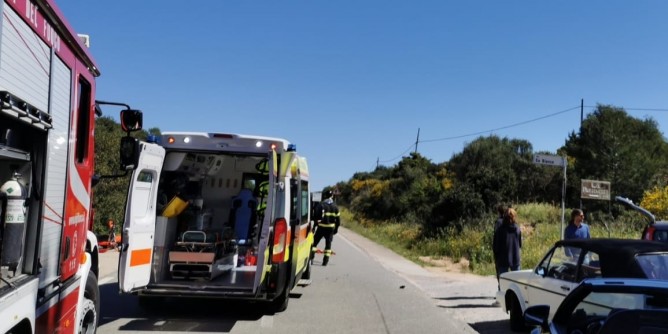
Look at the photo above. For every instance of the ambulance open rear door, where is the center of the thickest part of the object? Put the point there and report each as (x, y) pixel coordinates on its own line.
(265, 229)
(140, 217)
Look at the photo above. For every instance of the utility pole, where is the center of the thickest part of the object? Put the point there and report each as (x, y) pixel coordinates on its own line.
(581, 113)
(563, 199)
(377, 162)
(417, 140)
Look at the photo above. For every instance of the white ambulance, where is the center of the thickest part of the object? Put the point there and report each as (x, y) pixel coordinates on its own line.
(216, 215)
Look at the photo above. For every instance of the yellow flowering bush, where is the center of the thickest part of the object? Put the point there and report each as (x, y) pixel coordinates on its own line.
(656, 201)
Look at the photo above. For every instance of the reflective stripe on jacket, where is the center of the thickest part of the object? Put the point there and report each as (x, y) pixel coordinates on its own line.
(330, 214)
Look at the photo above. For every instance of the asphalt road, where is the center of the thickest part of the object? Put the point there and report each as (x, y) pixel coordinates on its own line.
(364, 289)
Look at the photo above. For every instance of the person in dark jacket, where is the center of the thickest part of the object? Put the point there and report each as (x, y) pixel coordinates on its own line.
(327, 225)
(501, 211)
(507, 243)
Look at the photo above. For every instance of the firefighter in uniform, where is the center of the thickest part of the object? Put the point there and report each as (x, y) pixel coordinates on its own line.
(327, 225)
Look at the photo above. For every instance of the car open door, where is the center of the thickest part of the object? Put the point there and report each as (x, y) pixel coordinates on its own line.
(554, 278)
(262, 268)
(139, 225)
(302, 236)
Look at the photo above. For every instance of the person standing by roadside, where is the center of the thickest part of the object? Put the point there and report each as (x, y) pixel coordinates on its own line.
(507, 243)
(576, 229)
(501, 211)
(327, 225)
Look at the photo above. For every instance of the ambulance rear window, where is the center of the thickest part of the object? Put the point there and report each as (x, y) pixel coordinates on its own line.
(145, 176)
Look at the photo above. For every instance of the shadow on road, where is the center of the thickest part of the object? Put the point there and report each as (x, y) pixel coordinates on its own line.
(465, 297)
(468, 306)
(473, 302)
(176, 314)
(492, 327)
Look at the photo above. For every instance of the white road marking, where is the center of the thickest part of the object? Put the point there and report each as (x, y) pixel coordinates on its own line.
(350, 243)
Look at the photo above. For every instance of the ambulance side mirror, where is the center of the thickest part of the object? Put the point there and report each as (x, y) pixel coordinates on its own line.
(131, 120)
(129, 152)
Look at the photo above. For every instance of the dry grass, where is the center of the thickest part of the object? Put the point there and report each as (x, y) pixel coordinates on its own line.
(469, 249)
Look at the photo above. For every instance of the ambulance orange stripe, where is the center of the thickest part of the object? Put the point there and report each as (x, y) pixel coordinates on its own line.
(302, 233)
(140, 257)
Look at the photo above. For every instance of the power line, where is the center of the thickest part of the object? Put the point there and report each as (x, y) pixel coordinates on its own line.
(473, 134)
(645, 109)
(635, 109)
(501, 128)
(398, 156)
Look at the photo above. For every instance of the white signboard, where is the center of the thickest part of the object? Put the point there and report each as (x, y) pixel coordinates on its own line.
(592, 189)
(551, 160)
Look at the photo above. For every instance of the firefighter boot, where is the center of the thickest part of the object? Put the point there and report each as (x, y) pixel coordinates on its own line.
(325, 260)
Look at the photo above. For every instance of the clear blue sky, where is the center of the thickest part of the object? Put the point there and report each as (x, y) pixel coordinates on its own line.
(351, 81)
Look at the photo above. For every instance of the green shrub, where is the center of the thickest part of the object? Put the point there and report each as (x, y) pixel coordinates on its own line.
(471, 239)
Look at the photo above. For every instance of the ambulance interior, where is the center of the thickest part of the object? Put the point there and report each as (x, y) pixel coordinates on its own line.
(210, 207)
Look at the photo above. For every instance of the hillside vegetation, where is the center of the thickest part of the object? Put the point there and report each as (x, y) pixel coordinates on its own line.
(471, 244)
(424, 209)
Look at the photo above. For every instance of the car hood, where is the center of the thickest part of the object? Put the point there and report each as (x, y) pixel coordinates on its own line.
(518, 275)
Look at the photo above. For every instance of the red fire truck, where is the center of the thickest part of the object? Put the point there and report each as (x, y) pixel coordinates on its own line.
(48, 254)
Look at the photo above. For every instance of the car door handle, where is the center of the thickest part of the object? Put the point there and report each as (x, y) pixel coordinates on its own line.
(565, 288)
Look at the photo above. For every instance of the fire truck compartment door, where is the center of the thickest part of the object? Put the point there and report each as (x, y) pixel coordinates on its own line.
(140, 216)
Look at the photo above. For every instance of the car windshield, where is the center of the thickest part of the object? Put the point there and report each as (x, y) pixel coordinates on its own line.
(600, 304)
(654, 265)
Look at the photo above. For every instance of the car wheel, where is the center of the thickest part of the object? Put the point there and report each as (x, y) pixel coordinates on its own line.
(516, 316)
(280, 304)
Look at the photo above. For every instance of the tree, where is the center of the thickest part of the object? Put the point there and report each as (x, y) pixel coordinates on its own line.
(110, 194)
(457, 203)
(499, 169)
(406, 191)
(613, 146)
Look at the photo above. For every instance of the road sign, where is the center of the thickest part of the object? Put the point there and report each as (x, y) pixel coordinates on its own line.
(555, 160)
(551, 160)
(592, 189)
